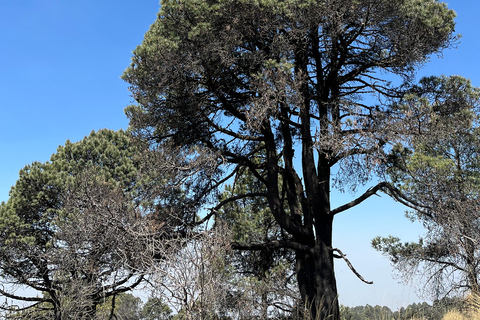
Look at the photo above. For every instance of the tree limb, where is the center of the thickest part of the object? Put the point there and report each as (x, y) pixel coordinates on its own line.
(344, 257)
(215, 209)
(357, 151)
(31, 299)
(274, 244)
(388, 189)
(125, 289)
(371, 191)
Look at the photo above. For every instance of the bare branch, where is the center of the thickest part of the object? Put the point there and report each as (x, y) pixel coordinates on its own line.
(215, 209)
(344, 257)
(370, 192)
(275, 244)
(23, 298)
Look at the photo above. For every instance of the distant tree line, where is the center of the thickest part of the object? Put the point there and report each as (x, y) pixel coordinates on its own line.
(129, 307)
(435, 311)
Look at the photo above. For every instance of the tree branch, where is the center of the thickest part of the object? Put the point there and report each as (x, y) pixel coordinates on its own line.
(215, 209)
(396, 194)
(31, 299)
(391, 191)
(371, 191)
(125, 289)
(274, 244)
(344, 257)
(357, 151)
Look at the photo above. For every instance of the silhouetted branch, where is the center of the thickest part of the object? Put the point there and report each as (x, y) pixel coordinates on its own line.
(344, 257)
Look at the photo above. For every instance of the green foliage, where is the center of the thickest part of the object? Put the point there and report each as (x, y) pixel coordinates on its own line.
(193, 41)
(436, 311)
(249, 218)
(438, 171)
(35, 196)
(111, 151)
(55, 236)
(155, 309)
(445, 149)
(127, 307)
(392, 247)
(34, 204)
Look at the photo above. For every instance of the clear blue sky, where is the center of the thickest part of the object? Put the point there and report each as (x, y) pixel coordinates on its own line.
(61, 63)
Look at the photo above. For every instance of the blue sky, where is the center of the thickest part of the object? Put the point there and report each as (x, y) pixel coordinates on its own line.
(61, 63)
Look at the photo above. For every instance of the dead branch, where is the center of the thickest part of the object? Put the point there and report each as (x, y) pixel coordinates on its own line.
(344, 257)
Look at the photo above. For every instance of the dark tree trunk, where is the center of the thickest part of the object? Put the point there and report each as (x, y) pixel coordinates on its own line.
(316, 280)
(315, 270)
(57, 313)
(57, 310)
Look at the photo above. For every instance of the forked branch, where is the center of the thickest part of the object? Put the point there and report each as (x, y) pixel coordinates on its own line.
(388, 189)
(371, 191)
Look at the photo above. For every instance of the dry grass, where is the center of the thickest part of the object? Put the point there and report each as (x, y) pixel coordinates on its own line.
(471, 312)
(454, 315)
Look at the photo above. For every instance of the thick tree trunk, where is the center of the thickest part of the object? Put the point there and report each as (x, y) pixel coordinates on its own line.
(57, 310)
(316, 279)
(325, 284)
(57, 314)
(317, 284)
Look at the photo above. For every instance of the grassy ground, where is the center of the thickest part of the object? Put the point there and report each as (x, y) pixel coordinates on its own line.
(471, 312)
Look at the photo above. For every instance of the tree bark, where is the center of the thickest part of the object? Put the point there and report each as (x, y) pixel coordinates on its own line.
(316, 278)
